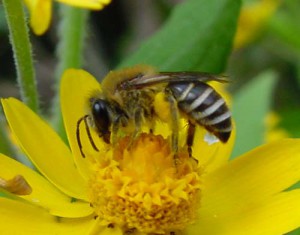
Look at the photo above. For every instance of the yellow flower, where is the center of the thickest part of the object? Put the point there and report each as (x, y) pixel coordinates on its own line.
(41, 11)
(252, 19)
(140, 190)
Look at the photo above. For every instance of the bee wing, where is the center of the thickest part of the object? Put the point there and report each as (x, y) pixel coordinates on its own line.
(170, 77)
(195, 76)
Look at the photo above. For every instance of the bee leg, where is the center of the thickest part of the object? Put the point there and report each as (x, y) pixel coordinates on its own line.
(87, 129)
(119, 121)
(174, 123)
(114, 131)
(152, 122)
(190, 137)
(138, 114)
(124, 120)
(78, 136)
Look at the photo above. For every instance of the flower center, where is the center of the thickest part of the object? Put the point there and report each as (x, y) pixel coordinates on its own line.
(140, 188)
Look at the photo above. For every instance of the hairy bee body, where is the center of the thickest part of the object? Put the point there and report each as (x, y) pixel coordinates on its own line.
(127, 101)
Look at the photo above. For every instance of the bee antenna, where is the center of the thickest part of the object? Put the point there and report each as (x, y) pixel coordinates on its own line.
(84, 118)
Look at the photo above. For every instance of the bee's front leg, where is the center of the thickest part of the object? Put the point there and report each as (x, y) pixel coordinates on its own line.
(119, 121)
(138, 116)
(114, 131)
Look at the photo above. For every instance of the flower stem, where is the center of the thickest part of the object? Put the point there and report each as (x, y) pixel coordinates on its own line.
(22, 50)
(71, 33)
(5, 146)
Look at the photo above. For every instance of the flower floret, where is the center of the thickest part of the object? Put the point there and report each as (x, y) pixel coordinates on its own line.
(153, 197)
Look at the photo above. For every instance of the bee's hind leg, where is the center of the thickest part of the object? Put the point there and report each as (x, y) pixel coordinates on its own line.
(190, 139)
(174, 124)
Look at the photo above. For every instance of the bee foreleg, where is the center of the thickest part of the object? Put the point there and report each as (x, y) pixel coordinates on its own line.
(138, 115)
(114, 131)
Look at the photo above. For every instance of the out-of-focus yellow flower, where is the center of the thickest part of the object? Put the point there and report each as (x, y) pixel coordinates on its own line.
(273, 132)
(41, 11)
(252, 19)
(139, 190)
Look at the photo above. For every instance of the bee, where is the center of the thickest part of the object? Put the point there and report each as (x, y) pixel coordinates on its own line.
(127, 101)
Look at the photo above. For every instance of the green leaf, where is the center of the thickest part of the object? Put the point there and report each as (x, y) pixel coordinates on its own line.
(290, 120)
(197, 36)
(298, 70)
(295, 232)
(286, 28)
(250, 107)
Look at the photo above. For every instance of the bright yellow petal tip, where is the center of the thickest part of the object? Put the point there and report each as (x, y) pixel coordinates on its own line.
(88, 4)
(141, 188)
(40, 15)
(41, 11)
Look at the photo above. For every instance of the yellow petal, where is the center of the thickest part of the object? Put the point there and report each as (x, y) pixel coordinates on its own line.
(21, 218)
(212, 155)
(250, 179)
(44, 148)
(102, 228)
(40, 15)
(278, 215)
(89, 4)
(257, 174)
(76, 88)
(44, 194)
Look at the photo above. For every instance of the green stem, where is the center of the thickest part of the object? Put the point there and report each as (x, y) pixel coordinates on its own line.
(69, 51)
(22, 50)
(5, 145)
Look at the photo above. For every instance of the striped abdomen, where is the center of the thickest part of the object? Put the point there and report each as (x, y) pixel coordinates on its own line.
(203, 105)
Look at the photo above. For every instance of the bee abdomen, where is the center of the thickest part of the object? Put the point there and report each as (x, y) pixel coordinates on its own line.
(202, 104)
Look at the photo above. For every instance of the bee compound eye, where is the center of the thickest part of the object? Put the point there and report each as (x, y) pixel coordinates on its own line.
(101, 115)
